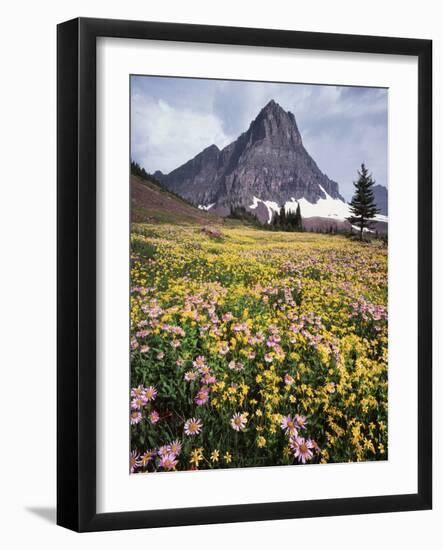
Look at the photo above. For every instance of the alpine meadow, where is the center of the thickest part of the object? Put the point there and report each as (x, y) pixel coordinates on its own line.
(259, 284)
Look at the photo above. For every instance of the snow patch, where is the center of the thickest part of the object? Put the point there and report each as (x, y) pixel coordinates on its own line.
(325, 208)
(208, 207)
(328, 207)
(255, 202)
(365, 229)
(270, 205)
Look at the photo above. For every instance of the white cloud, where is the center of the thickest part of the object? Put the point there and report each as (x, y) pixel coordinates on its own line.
(341, 127)
(163, 137)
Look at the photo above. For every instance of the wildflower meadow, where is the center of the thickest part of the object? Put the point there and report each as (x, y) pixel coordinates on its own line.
(255, 348)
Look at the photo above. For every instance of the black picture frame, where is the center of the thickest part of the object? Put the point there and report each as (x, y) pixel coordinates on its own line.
(76, 280)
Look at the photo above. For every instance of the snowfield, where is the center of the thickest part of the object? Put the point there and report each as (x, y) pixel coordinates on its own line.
(335, 209)
(328, 207)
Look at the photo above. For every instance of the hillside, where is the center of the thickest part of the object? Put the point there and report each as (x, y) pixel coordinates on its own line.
(151, 203)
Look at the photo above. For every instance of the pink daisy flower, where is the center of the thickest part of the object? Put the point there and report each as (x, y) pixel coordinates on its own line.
(235, 366)
(289, 380)
(227, 316)
(163, 450)
(179, 331)
(268, 358)
(204, 370)
(154, 417)
(223, 349)
(175, 447)
(144, 349)
(208, 379)
(190, 376)
(202, 396)
(289, 425)
(301, 448)
(238, 422)
(199, 362)
(193, 426)
(160, 355)
(134, 343)
(150, 393)
(168, 462)
(137, 403)
(175, 344)
(136, 417)
(138, 391)
(270, 343)
(301, 421)
(134, 461)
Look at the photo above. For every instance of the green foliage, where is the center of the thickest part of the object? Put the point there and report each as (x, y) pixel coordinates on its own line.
(363, 207)
(139, 171)
(283, 221)
(240, 213)
(143, 248)
(287, 221)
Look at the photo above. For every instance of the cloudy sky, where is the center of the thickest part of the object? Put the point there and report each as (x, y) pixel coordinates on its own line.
(173, 119)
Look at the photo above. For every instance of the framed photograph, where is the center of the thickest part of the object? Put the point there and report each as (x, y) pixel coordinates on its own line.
(244, 274)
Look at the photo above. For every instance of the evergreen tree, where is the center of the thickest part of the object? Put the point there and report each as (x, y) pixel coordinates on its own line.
(275, 220)
(282, 217)
(287, 221)
(137, 170)
(298, 218)
(290, 221)
(363, 207)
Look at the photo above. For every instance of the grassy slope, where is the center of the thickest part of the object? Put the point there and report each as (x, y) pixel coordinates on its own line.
(151, 203)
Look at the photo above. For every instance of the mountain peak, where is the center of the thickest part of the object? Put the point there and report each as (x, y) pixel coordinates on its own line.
(272, 108)
(276, 124)
(270, 105)
(267, 161)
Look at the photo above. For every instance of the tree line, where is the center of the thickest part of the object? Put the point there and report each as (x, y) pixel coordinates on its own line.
(288, 221)
(281, 221)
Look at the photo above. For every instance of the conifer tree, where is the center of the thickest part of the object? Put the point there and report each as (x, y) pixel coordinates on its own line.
(282, 217)
(290, 221)
(363, 207)
(276, 220)
(298, 218)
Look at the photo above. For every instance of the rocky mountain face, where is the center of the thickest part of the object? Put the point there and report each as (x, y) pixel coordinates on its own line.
(381, 198)
(268, 161)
